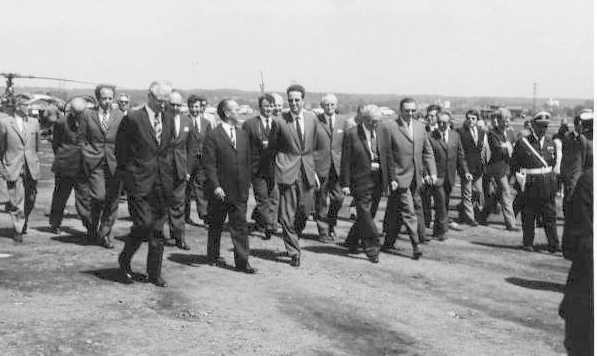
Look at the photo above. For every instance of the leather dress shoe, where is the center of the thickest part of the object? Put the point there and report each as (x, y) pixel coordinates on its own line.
(18, 237)
(528, 248)
(24, 231)
(441, 237)
(125, 270)
(107, 243)
(268, 235)
(373, 259)
(55, 230)
(159, 282)
(218, 261)
(417, 253)
(295, 261)
(247, 269)
(513, 228)
(554, 249)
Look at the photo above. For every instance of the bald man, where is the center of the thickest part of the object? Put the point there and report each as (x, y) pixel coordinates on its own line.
(67, 144)
(145, 158)
(278, 104)
(182, 148)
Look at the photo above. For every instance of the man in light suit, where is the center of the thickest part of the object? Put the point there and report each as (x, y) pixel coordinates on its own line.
(412, 156)
(367, 172)
(327, 163)
(228, 171)
(19, 163)
(449, 157)
(67, 144)
(182, 147)
(265, 189)
(201, 127)
(295, 137)
(100, 165)
(145, 157)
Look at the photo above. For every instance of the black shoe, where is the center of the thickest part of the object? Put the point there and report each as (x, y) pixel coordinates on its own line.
(528, 248)
(267, 236)
(373, 259)
(417, 253)
(513, 228)
(18, 237)
(218, 262)
(553, 249)
(295, 261)
(107, 243)
(441, 237)
(125, 270)
(24, 231)
(159, 282)
(247, 269)
(55, 230)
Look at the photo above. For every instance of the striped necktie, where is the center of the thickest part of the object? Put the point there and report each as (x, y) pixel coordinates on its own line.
(157, 126)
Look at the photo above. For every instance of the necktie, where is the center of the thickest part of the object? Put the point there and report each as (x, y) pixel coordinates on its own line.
(373, 145)
(475, 137)
(195, 125)
(331, 125)
(300, 133)
(232, 138)
(267, 127)
(446, 136)
(104, 121)
(157, 126)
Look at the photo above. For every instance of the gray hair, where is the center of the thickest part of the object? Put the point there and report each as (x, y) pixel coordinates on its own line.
(329, 97)
(277, 97)
(160, 89)
(368, 110)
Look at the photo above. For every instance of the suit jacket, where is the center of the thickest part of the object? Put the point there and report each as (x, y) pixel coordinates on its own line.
(18, 149)
(330, 156)
(227, 167)
(100, 144)
(412, 156)
(449, 157)
(262, 157)
(67, 143)
(182, 147)
(141, 159)
(473, 152)
(197, 139)
(574, 156)
(356, 160)
(291, 159)
(499, 163)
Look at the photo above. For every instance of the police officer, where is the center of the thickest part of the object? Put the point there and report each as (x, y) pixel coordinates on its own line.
(532, 165)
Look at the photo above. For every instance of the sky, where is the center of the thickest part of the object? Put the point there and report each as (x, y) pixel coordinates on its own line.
(436, 47)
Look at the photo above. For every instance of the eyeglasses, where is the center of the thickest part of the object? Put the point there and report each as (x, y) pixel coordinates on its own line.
(472, 117)
(123, 101)
(294, 100)
(176, 105)
(409, 110)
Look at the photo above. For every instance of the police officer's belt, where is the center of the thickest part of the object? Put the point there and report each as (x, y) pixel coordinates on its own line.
(543, 170)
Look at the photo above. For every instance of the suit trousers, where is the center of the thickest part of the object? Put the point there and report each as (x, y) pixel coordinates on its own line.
(539, 201)
(195, 192)
(114, 186)
(63, 186)
(364, 228)
(21, 198)
(296, 204)
(400, 210)
(176, 210)
(473, 198)
(503, 193)
(326, 214)
(265, 213)
(100, 182)
(426, 195)
(441, 196)
(237, 222)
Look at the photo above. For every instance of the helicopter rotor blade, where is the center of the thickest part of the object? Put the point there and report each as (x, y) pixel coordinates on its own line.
(16, 76)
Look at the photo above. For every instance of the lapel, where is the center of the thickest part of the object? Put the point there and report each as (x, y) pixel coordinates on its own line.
(95, 115)
(13, 124)
(146, 121)
(480, 138)
(226, 136)
(363, 137)
(292, 127)
(113, 117)
(323, 119)
(404, 129)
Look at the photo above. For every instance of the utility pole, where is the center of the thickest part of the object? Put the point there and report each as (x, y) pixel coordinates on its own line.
(261, 83)
(534, 95)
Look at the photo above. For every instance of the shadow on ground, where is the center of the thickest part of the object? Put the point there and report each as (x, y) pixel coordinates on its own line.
(535, 284)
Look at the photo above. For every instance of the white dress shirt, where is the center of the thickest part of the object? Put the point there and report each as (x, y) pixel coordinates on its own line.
(177, 124)
(230, 131)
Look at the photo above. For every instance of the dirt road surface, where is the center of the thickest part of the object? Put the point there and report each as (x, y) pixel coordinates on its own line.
(474, 294)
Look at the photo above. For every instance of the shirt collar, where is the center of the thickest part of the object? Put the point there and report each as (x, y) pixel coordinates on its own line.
(299, 116)
(226, 126)
(150, 112)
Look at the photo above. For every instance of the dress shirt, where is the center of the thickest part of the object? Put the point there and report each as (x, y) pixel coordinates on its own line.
(177, 124)
(20, 123)
(331, 119)
(265, 122)
(230, 131)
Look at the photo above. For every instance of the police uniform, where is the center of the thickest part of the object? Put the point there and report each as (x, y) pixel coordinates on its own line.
(540, 186)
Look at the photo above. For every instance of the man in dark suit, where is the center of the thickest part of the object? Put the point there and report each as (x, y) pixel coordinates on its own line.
(327, 163)
(99, 161)
(449, 157)
(426, 190)
(412, 155)
(195, 186)
(124, 103)
(498, 169)
(295, 137)
(69, 174)
(366, 173)
(228, 171)
(265, 189)
(181, 148)
(475, 145)
(145, 158)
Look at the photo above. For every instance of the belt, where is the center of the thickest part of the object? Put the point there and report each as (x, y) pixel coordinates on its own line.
(537, 171)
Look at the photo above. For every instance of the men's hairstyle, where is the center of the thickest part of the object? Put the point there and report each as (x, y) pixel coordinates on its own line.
(472, 112)
(368, 110)
(329, 97)
(444, 112)
(195, 98)
(174, 93)
(268, 97)
(296, 87)
(434, 107)
(123, 95)
(99, 87)
(501, 113)
(159, 88)
(277, 96)
(406, 100)
(222, 108)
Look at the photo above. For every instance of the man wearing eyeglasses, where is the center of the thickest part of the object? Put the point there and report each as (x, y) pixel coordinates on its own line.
(414, 164)
(181, 148)
(99, 161)
(123, 103)
(535, 158)
(145, 158)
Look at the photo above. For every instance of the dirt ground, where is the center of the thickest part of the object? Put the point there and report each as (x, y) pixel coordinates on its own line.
(474, 294)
